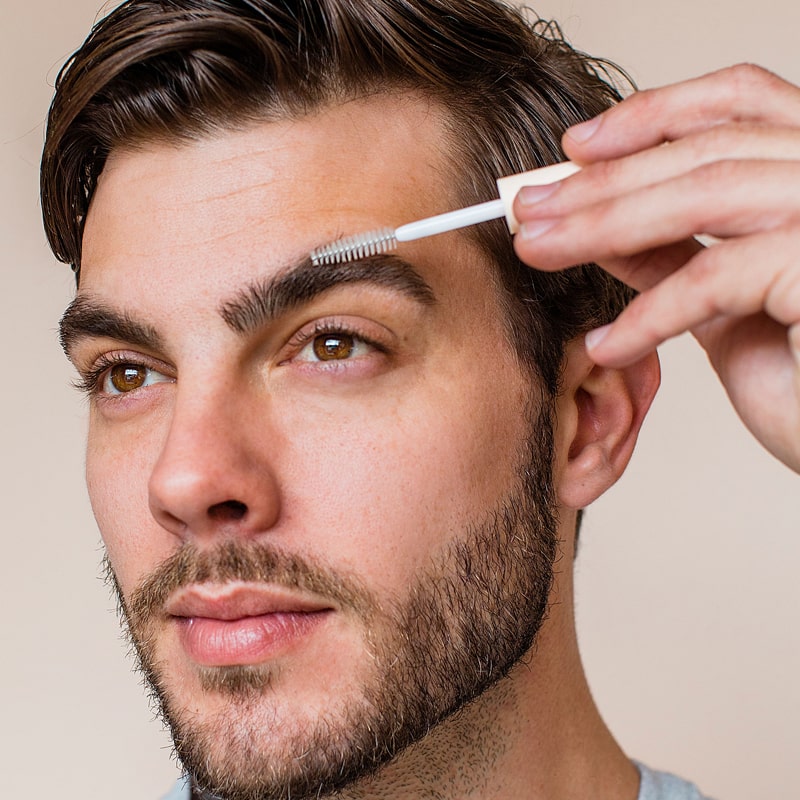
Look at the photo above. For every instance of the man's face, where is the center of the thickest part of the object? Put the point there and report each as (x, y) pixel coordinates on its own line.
(319, 488)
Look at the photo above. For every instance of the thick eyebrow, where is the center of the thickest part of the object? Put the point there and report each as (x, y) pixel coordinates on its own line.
(86, 318)
(252, 307)
(264, 301)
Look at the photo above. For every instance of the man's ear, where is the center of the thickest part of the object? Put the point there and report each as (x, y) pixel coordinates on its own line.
(599, 414)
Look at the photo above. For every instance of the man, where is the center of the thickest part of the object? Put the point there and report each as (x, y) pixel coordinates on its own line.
(340, 503)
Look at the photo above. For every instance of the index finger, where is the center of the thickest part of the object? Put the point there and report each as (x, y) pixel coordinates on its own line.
(744, 93)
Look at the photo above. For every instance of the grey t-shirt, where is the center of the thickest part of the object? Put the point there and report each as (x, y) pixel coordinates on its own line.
(663, 786)
(180, 791)
(653, 786)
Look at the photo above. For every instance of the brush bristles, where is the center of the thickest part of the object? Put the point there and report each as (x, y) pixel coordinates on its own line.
(352, 248)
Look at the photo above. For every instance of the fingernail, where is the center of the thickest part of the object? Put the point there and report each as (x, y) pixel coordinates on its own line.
(593, 338)
(584, 131)
(531, 230)
(531, 195)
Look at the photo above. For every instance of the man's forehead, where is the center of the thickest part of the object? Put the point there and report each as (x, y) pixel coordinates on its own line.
(396, 136)
(288, 185)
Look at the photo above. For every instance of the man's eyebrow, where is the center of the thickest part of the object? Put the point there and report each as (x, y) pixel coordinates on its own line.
(87, 318)
(266, 300)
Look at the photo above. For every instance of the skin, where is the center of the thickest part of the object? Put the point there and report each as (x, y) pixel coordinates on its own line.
(731, 170)
(425, 432)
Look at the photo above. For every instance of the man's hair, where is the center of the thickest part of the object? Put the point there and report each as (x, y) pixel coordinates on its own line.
(174, 70)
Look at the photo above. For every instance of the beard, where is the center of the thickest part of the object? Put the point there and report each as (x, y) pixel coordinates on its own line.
(462, 625)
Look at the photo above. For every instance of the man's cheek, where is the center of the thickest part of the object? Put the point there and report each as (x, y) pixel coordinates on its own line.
(117, 475)
(390, 489)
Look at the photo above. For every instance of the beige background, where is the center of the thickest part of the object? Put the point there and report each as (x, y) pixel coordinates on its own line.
(688, 589)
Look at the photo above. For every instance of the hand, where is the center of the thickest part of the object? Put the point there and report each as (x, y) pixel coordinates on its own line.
(731, 169)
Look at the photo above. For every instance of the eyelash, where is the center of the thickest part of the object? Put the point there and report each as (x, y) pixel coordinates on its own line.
(331, 327)
(89, 381)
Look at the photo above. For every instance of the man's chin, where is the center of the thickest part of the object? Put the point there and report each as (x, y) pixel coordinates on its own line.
(246, 733)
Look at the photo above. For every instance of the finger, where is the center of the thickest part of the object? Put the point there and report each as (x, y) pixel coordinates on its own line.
(731, 279)
(794, 345)
(644, 270)
(731, 198)
(606, 179)
(645, 119)
(761, 378)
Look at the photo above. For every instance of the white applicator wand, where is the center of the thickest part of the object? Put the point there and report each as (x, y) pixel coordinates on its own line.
(351, 248)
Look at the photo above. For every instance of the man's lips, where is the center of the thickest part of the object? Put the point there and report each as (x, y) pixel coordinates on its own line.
(234, 600)
(230, 624)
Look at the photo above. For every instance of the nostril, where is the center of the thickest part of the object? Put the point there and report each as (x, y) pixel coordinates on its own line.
(227, 511)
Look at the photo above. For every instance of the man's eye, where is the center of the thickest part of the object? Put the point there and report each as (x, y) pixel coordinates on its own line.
(124, 378)
(333, 347)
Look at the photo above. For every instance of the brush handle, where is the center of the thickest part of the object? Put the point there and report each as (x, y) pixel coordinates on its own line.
(509, 187)
(504, 207)
(450, 221)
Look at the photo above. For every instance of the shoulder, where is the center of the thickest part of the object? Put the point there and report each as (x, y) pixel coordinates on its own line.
(663, 786)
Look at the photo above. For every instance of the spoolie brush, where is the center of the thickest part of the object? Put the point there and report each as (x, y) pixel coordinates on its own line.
(353, 248)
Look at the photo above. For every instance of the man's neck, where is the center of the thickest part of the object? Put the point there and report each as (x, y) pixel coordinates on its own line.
(503, 747)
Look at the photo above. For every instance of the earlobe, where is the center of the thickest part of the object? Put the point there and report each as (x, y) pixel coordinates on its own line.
(600, 412)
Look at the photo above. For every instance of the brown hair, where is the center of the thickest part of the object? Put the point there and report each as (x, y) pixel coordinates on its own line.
(181, 69)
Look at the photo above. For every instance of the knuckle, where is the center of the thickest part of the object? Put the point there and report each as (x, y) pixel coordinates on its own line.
(700, 280)
(603, 173)
(703, 267)
(720, 140)
(644, 101)
(748, 79)
(711, 176)
(643, 315)
(745, 141)
(782, 295)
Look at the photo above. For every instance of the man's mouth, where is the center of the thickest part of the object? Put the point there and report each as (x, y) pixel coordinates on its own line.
(242, 623)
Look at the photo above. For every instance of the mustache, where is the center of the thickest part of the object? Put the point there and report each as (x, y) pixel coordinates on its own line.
(235, 560)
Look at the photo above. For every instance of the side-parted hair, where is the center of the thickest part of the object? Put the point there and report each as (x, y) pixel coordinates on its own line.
(172, 70)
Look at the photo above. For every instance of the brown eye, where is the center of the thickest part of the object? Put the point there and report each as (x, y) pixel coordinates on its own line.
(331, 347)
(127, 377)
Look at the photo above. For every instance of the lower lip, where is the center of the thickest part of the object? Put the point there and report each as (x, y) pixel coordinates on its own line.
(249, 640)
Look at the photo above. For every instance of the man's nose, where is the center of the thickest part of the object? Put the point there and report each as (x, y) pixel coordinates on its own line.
(213, 475)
